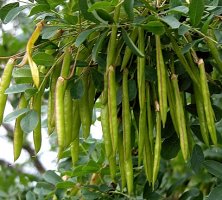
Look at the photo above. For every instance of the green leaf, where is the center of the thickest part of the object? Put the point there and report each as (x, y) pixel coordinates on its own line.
(43, 188)
(51, 177)
(30, 121)
(131, 44)
(104, 16)
(215, 194)
(190, 194)
(49, 32)
(196, 10)
(14, 13)
(77, 89)
(54, 3)
(98, 45)
(5, 9)
(71, 19)
(83, 6)
(179, 9)
(213, 167)
(128, 6)
(23, 75)
(30, 93)
(39, 8)
(100, 5)
(183, 29)
(197, 158)
(30, 196)
(98, 80)
(170, 147)
(42, 58)
(13, 115)
(18, 88)
(83, 36)
(132, 89)
(155, 27)
(65, 185)
(171, 21)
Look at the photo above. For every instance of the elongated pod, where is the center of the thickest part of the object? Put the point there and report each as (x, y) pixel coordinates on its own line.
(112, 104)
(161, 79)
(209, 113)
(181, 122)
(4, 84)
(18, 132)
(59, 111)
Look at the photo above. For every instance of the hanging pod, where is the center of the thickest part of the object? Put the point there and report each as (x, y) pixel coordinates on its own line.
(126, 121)
(209, 113)
(18, 132)
(112, 105)
(157, 147)
(51, 100)
(84, 108)
(161, 79)
(108, 141)
(141, 93)
(180, 118)
(76, 124)
(4, 84)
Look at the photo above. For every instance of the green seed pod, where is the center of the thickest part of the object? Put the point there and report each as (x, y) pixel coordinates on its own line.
(18, 133)
(4, 84)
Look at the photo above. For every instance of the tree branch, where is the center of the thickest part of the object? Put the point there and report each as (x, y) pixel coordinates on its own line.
(27, 147)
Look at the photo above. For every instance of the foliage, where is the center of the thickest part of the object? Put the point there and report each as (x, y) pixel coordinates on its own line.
(153, 68)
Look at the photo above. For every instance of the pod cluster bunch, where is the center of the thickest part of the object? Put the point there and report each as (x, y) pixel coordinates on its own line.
(140, 92)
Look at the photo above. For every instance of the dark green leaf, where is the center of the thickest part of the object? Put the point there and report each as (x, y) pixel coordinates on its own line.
(5, 9)
(217, 112)
(196, 10)
(190, 194)
(197, 158)
(18, 88)
(30, 121)
(131, 44)
(54, 3)
(97, 80)
(100, 5)
(215, 194)
(170, 147)
(179, 9)
(77, 89)
(171, 21)
(128, 6)
(42, 58)
(51, 177)
(13, 13)
(13, 115)
(132, 89)
(155, 27)
(183, 29)
(39, 8)
(150, 74)
(30, 196)
(98, 45)
(213, 167)
(89, 195)
(49, 32)
(30, 93)
(83, 36)
(65, 185)
(43, 188)
(83, 6)
(71, 19)
(104, 16)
